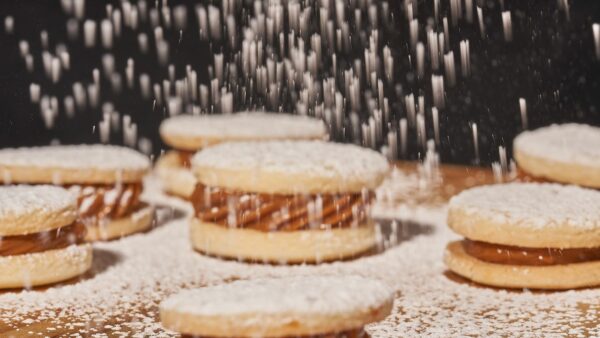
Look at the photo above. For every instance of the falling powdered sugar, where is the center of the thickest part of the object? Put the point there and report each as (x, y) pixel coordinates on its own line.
(534, 205)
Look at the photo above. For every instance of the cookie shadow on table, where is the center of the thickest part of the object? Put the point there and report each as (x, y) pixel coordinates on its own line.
(396, 232)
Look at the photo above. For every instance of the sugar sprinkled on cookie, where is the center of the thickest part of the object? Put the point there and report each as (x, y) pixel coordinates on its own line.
(20, 200)
(103, 157)
(567, 153)
(535, 205)
(303, 165)
(296, 294)
(568, 143)
(279, 307)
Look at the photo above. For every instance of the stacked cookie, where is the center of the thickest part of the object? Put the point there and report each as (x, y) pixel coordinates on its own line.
(285, 201)
(106, 179)
(40, 239)
(187, 134)
(535, 235)
(526, 235)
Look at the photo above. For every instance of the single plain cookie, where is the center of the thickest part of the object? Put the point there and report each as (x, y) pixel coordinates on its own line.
(72, 164)
(533, 215)
(30, 209)
(176, 179)
(554, 277)
(279, 307)
(567, 153)
(186, 132)
(302, 246)
(45, 267)
(290, 167)
(138, 221)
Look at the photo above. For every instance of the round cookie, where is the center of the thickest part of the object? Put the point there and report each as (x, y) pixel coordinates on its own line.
(47, 267)
(30, 209)
(567, 153)
(176, 180)
(290, 167)
(72, 164)
(533, 215)
(279, 307)
(515, 231)
(289, 247)
(191, 133)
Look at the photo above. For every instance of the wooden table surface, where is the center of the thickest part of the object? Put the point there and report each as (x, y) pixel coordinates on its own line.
(451, 180)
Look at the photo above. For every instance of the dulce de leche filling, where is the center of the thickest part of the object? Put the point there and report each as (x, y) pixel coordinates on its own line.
(185, 158)
(514, 255)
(277, 212)
(42, 241)
(97, 202)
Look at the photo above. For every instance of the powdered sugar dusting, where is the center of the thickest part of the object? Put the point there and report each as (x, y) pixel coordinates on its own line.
(132, 276)
(253, 125)
(565, 143)
(21, 200)
(533, 205)
(311, 158)
(307, 295)
(102, 157)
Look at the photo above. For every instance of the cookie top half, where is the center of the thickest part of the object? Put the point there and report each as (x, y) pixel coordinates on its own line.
(72, 164)
(191, 133)
(290, 167)
(30, 209)
(532, 215)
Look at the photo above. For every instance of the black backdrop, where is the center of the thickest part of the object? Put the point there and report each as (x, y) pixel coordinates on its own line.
(551, 63)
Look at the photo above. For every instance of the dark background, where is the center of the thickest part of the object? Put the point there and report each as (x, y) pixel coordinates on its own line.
(551, 63)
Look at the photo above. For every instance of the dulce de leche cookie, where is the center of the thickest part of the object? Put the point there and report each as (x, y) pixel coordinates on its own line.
(566, 153)
(106, 179)
(40, 239)
(280, 307)
(526, 235)
(285, 201)
(187, 134)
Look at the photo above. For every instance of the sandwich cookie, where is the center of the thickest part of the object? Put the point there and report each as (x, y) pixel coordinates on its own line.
(106, 179)
(40, 240)
(285, 201)
(526, 235)
(187, 134)
(567, 153)
(309, 306)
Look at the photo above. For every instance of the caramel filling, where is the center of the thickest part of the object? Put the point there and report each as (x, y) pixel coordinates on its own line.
(185, 158)
(514, 255)
(274, 212)
(107, 201)
(42, 241)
